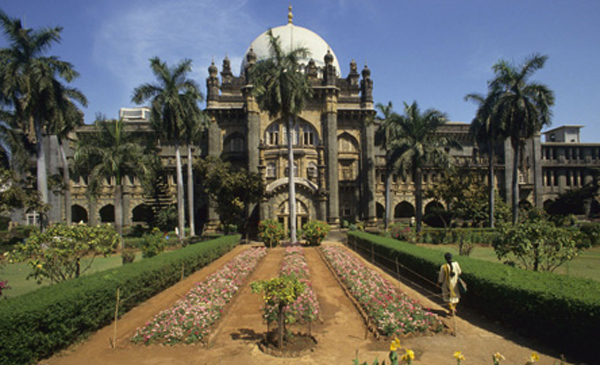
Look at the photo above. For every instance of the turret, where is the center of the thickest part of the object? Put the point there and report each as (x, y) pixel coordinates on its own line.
(366, 86)
(212, 83)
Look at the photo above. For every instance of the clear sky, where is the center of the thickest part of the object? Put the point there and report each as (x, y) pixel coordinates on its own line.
(431, 51)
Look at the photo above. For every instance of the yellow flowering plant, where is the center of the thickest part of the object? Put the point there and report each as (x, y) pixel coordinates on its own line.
(532, 359)
(497, 357)
(459, 357)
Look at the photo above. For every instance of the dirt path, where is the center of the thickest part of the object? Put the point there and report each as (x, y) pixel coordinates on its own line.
(340, 334)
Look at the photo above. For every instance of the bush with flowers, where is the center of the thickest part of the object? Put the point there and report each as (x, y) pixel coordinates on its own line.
(314, 232)
(391, 311)
(270, 232)
(189, 319)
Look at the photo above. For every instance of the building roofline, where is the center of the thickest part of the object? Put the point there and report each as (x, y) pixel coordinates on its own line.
(562, 127)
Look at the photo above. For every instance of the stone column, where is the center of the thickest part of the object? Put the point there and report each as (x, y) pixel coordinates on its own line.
(214, 150)
(536, 158)
(369, 173)
(331, 148)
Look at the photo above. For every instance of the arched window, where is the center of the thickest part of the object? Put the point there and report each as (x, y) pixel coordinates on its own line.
(234, 143)
(271, 169)
(311, 170)
(295, 133)
(295, 170)
(273, 135)
(309, 135)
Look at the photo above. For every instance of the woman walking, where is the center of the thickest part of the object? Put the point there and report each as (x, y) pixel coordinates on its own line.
(448, 280)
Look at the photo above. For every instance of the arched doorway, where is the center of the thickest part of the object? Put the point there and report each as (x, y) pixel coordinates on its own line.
(142, 214)
(79, 214)
(107, 214)
(404, 210)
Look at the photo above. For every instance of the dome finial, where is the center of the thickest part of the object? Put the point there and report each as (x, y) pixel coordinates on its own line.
(290, 15)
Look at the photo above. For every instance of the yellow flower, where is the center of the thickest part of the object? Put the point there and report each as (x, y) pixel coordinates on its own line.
(498, 356)
(395, 345)
(409, 355)
(533, 358)
(458, 355)
(39, 266)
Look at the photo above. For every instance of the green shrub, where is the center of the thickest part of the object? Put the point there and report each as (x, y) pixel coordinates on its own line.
(592, 232)
(128, 256)
(314, 232)
(153, 243)
(35, 325)
(270, 232)
(562, 311)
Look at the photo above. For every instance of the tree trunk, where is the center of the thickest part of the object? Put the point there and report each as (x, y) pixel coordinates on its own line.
(388, 183)
(180, 205)
(190, 172)
(67, 182)
(42, 175)
(119, 209)
(292, 187)
(492, 184)
(280, 321)
(515, 183)
(418, 174)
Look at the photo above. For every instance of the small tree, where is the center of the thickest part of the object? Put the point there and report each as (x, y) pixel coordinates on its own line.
(314, 232)
(279, 292)
(270, 232)
(536, 244)
(57, 253)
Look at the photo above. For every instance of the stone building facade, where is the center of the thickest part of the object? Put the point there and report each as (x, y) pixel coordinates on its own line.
(339, 170)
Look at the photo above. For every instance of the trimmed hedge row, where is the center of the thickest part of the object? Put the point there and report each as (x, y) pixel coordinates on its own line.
(37, 324)
(562, 311)
(455, 235)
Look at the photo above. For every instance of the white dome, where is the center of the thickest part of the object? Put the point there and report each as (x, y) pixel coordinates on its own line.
(292, 36)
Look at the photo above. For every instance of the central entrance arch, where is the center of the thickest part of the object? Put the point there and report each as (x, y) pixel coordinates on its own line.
(276, 205)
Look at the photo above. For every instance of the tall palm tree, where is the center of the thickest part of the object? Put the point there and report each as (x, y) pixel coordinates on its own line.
(110, 153)
(384, 137)
(523, 108)
(195, 126)
(32, 83)
(487, 131)
(68, 119)
(282, 89)
(418, 144)
(174, 99)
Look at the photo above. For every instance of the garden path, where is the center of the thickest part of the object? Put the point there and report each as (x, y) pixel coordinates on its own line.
(341, 333)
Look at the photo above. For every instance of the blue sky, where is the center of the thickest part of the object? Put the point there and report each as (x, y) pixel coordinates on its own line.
(431, 51)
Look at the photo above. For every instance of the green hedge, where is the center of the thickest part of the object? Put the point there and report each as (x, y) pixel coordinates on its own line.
(456, 235)
(561, 311)
(37, 324)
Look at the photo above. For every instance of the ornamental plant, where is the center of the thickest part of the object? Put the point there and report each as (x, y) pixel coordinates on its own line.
(153, 243)
(393, 312)
(61, 252)
(279, 292)
(314, 232)
(3, 286)
(189, 319)
(270, 232)
(305, 308)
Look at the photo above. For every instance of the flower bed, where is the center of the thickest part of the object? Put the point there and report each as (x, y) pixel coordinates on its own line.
(189, 319)
(306, 308)
(393, 312)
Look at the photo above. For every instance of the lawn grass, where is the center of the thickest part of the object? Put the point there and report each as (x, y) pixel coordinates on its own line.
(16, 274)
(586, 265)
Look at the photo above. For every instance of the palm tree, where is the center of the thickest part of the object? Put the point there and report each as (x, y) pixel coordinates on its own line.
(486, 129)
(418, 144)
(195, 125)
(523, 109)
(31, 83)
(384, 137)
(111, 153)
(69, 119)
(282, 89)
(174, 99)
